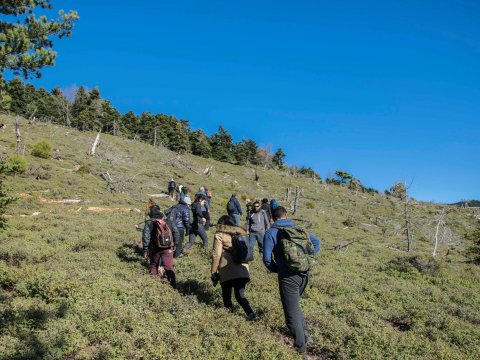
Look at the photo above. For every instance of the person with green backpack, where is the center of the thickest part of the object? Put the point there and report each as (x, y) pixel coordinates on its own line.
(289, 251)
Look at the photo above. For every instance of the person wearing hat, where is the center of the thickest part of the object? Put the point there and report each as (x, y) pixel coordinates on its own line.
(155, 254)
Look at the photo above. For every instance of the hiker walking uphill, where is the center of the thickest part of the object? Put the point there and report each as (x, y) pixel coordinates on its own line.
(206, 207)
(178, 218)
(257, 225)
(171, 189)
(232, 275)
(158, 244)
(266, 207)
(292, 263)
(197, 226)
(234, 209)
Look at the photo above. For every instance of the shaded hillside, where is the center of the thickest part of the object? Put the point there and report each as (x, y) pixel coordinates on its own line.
(468, 203)
(73, 284)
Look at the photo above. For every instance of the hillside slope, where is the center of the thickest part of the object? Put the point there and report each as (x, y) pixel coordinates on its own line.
(73, 284)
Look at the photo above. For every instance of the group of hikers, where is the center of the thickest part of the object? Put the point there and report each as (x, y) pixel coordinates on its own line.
(287, 249)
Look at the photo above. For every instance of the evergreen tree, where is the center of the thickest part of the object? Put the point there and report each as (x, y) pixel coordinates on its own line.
(278, 158)
(222, 145)
(200, 144)
(16, 89)
(79, 106)
(245, 151)
(179, 140)
(46, 105)
(129, 125)
(26, 40)
(343, 176)
(5, 200)
(111, 118)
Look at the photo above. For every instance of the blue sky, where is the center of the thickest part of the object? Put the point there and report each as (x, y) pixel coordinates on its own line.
(388, 91)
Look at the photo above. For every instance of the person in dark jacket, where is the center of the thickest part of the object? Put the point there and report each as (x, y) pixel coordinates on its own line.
(198, 225)
(258, 224)
(181, 226)
(292, 284)
(155, 254)
(266, 208)
(234, 209)
(171, 189)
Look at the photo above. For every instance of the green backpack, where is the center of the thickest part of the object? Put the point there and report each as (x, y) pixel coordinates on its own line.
(297, 247)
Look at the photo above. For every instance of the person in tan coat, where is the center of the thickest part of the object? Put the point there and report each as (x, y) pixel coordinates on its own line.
(232, 275)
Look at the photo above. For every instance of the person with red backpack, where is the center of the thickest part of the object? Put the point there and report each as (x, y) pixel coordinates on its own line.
(158, 244)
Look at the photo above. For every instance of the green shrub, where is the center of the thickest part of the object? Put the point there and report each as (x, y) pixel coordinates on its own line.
(474, 249)
(310, 205)
(42, 149)
(18, 164)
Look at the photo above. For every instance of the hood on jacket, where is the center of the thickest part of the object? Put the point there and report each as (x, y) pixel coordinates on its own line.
(232, 230)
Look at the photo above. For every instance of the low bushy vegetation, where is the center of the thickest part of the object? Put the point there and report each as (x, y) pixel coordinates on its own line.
(17, 164)
(42, 149)
(73, 283)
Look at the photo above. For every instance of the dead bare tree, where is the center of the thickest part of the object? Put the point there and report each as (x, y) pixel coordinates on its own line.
(408, 229)
(95, 144)
(440, 222)
(298, 193)
(289, 192)
(17, 134)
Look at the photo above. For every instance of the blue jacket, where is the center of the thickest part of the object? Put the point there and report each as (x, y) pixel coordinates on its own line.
(238, 207)
(271, 246)
(183, 216)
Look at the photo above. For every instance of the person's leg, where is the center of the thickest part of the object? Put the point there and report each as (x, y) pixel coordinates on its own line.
(252, 241)
(154, 256)
(227, 295)
(167, 260)
(290, 295)
(203, 235)
(191, 238)
(239, 286)
(179, 242)
(259, 237)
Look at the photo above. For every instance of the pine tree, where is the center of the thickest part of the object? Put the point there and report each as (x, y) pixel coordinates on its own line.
(222, 145)
(200, 144)
(278, 158)
(245, 151)
(16, 89)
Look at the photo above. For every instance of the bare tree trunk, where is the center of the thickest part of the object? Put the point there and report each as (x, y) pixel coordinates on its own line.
(17, 134)
(407, 224)
(95, 143)
(289, 191)
(155, 136)
(441, 221)
(297, 197)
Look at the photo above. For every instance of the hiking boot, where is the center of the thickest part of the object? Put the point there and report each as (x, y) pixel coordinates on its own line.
(252, 317)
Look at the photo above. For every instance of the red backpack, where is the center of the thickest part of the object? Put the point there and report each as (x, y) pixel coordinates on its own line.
(162, 235)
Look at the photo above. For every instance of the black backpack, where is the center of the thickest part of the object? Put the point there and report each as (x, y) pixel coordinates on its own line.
(241, 251)
(231, 208)
(171, 217)
(172, 185)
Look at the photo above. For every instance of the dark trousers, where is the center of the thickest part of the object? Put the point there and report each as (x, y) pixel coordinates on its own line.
(239, 288)
(165, 256)
(178, 237)
(291, 290)
(199, 230)
(256, 237)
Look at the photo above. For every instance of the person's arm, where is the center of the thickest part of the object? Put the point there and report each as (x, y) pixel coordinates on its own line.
(147, 231)
(186, 218)
(238, 206)
(216, 253)
(269, 242)
(315, 241)
(266, 220)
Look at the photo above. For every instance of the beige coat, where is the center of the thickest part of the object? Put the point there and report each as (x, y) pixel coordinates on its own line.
(222, 261)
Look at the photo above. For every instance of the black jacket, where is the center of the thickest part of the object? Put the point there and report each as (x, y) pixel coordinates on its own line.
(147, 233)
(183, 216)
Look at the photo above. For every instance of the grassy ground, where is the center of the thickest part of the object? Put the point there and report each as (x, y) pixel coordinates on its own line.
(73, 285)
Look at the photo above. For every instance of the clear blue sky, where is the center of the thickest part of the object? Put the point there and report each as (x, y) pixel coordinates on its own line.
(386, 90)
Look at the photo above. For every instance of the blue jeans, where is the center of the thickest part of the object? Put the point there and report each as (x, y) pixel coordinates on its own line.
(258, 236)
